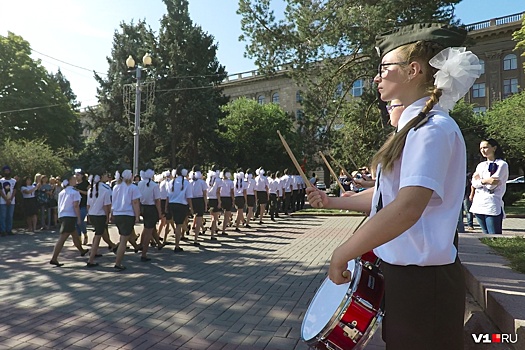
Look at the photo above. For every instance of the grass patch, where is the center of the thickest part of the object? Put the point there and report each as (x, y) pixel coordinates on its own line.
(516, 208)
(511, 248)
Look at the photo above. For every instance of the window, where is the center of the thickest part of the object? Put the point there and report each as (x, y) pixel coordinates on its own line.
(510, 86)
(338, 90)
(299, 115)
(260, 99)
(482, 63)
(478, 90)
(510, 62)
(480, 109)
(357, 88)
(298, 97)
(275, 97)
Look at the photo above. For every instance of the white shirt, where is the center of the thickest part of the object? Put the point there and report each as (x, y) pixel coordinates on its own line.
(286, 183)
(96, 203)
(180, 190)
(261, 182)
(275, 187)
(8, 188)
(239, 186)
(214, 182)
(163, 187)
(28, 188)
(66, 200)
(250, 187)
(434, 157)
(227, 186)
(123, 197)
(488, 199)
(148, 194)
(199, 186)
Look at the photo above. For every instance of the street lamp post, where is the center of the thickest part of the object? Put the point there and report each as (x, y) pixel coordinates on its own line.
(130, 62)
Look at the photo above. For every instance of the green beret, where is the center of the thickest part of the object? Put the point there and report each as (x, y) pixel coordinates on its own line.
(443, 34)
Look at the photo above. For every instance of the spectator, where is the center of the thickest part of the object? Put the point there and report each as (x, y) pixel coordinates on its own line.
(490, 180)
(7, 201)
(43, 199)
(30, 204)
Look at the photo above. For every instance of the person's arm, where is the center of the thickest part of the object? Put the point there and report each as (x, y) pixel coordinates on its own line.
(472, 192)
(245, 195)
(136, 209)
(205, 196)
(390, 222)
(361, 201)
(218, 193)
(157, 205)
(232, 194)
(76, 207)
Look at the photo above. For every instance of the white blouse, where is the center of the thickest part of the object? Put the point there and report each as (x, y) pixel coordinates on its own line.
(488, 199)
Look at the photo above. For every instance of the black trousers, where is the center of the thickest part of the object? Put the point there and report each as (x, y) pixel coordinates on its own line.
(273, 205)
(424, 307)
(287, 199)
(294, 199)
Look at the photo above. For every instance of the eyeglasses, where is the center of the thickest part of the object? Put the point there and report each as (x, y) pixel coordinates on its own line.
(390, 108)
(381, 69)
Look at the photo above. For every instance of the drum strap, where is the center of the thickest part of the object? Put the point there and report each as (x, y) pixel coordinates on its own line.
(379, 204)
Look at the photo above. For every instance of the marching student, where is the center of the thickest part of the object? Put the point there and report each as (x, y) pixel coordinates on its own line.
(166, 218)
(295, 189)
(125, 212)
(419, 189)
(99, 208)
(274, 189)
(250, 196)
(151, 211)
(180, 193)
(286, 181)
(261, 191)
(82, 187)
(69, 215)
(227, 198)
(280, 196)
(199, 201)
(214, 183)
(240, 197)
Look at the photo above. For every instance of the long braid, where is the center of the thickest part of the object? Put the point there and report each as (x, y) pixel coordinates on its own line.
(96, 187)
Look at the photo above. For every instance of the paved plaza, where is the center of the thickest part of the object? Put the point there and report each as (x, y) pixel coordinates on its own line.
(248, 290)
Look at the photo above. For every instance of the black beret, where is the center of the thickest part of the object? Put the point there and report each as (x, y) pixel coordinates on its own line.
(443, 34)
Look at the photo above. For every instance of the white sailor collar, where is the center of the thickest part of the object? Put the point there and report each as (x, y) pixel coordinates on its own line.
(413, 110)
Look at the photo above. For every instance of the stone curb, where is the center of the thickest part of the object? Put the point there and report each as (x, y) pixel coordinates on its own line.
(498, 289)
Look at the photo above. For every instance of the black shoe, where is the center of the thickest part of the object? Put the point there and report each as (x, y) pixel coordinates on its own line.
(178, 249)
(91, 264)
(138, 249)
(237, 229)
(248, 226)
(213, 238)
(114, 250)
(56, 263)
(224, 233)
(98, 255)
(120, 267)
(196, 244)
(144, 259)
(273, 219)
(184, 238)
(260, 222)
(84, 252)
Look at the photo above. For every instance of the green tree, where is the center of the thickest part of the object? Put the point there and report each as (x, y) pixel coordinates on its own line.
(32, 103)
(28, 157)
(250, 133)
(505, 121)
(327, 47)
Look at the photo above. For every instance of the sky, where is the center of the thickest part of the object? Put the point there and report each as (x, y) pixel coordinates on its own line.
(81, 32)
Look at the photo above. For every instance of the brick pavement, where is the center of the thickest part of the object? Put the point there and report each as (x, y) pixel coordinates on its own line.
(248, 291)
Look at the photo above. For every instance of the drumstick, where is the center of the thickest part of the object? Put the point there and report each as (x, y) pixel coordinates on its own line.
(340, 166)
(296, 163)
(332, 172)
(346, 273)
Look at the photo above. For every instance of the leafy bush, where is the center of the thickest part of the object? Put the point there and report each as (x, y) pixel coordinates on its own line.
(28, 157)
(512, 197)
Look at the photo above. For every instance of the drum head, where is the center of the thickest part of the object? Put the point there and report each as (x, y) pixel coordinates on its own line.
(324, 305)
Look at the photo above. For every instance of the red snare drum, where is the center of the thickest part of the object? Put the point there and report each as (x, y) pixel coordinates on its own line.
(343, 317)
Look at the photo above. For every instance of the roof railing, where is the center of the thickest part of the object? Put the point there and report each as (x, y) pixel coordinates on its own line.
(517, 17)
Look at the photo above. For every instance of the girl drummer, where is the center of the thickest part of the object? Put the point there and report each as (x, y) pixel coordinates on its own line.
(199, 201)
(180, 193)
(227, 197)
(420, 184)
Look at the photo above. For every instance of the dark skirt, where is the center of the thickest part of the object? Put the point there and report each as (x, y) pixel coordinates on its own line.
(125, 224)
(179, 212)
(150, 216)
(262, 197)
(30, 206)
(422, 304)
(250, 200)
(198, 206)
(68, 224)
(99, 223)
(239, 202)
(213, 204)
(226, 203)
